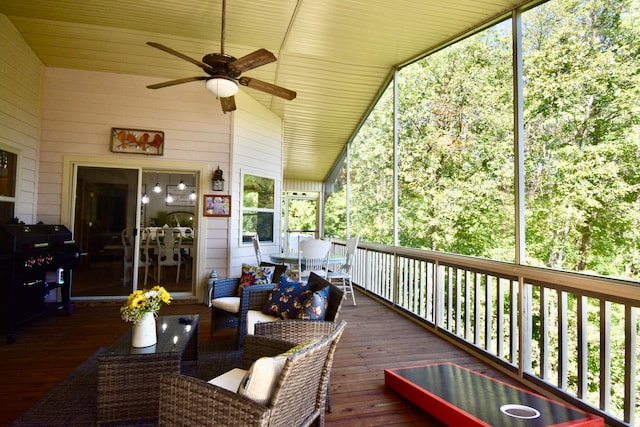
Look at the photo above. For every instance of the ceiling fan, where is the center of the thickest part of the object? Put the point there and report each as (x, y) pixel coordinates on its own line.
(224, 72)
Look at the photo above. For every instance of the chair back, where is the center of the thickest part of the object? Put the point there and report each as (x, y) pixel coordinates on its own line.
(313, 256)
(126, 236)
(256, 248)
(169, 248)
(300, 395)
(352, 246)
(293, 242)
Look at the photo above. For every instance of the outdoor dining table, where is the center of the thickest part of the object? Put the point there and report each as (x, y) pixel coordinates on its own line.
(291, 258)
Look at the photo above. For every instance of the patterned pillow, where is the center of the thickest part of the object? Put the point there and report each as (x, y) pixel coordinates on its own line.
(252, 275)
(315, 307)
(286, 299)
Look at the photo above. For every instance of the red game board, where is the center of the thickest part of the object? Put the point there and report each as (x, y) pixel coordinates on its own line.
(462, 397)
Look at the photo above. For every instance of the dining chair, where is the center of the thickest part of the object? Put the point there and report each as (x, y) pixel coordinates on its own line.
(342, 276)
(169, 243)
(127, 254)
(294, 242)
(256, 248)
(146, 252)
(313, 256)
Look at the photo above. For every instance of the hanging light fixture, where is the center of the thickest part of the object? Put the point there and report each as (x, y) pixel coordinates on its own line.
(169, 198)
(193, 194)
(145, 198)
(157, 188)
(181, 186)
(221, 86)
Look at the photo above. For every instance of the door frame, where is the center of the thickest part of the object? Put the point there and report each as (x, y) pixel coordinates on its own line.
(141, 164)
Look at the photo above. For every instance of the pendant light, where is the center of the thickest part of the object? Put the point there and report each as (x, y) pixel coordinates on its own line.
(145, 198)
(181, 186)
(193, 194)
(157, 188)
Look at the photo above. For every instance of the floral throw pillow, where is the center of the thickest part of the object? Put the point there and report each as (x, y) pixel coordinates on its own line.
(315, 307)
(254, 275)
(286, 299)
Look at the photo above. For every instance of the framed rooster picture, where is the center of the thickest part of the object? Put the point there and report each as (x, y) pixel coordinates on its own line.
(137, 141)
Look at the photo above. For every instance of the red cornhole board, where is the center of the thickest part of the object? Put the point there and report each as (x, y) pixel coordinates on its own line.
(461, 397)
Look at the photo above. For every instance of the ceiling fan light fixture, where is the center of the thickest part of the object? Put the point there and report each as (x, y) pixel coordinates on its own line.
(221, 87)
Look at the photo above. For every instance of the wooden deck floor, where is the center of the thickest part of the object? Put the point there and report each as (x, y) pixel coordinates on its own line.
(50, 347)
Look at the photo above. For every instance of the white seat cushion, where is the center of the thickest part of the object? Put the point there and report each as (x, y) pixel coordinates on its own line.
(230, 304)
(230, 380)
(255, 316)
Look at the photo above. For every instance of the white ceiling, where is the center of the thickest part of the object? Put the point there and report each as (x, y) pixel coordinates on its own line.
(336, 54)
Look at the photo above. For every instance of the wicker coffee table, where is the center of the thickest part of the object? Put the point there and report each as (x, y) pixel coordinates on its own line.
(128, 378)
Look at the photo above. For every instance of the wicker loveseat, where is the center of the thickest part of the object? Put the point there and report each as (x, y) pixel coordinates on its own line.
(256, 296)
(296, 400)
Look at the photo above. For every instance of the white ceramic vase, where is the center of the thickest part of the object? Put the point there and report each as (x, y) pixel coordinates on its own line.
(144, 333)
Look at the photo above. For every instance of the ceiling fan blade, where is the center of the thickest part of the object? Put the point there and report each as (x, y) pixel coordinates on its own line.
(200, 64)
(267, 87)
(177, 82)
(228, 104)
(253, 60)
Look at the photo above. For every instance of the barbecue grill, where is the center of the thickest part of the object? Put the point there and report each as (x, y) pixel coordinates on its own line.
(34, 259)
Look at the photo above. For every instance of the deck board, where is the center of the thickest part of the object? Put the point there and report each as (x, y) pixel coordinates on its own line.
(376, 338)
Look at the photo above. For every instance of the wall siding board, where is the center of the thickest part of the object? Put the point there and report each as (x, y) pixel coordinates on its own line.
(53, 114)
(21, 81)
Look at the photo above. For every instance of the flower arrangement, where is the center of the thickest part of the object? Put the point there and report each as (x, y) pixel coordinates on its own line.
(144, 301)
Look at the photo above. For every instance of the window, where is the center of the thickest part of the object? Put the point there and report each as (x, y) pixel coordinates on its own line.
(258, 208)
(8, 168)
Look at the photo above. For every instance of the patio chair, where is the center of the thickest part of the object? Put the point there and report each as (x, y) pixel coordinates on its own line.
(313, 256)
(294, 398)
(343, 275)
(256, 248)
(299, 332)
(226, 301)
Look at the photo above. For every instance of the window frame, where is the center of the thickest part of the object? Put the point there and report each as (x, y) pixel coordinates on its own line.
(244, 210)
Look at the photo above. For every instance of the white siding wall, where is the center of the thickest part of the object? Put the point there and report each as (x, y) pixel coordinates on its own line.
(257, 150)
(302, 186)
(21, 75)
(53, 116)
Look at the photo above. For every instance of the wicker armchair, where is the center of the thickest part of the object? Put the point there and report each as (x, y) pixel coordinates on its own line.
(227, 289)
(298, 332)
(295, 401)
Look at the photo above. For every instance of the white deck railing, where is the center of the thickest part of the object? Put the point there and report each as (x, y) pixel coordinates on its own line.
(571, 334)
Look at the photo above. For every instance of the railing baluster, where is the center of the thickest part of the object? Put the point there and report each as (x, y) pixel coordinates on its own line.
(488, 307)
(467, 306)
(544, 333)
(563, 344)
(500, 318)
(605, 354)
(458, 301)
(583, 347)
(631, 363)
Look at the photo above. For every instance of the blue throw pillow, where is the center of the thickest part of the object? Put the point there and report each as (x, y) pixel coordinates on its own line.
(315, 307)
(286, 299)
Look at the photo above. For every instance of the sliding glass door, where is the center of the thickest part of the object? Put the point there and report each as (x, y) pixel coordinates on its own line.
(120, 216)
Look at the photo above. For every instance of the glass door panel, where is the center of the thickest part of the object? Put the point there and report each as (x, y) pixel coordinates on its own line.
(105, 215)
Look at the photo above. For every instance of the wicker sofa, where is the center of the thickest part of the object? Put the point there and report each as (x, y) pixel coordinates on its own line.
(256, 296)
(296, 400)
